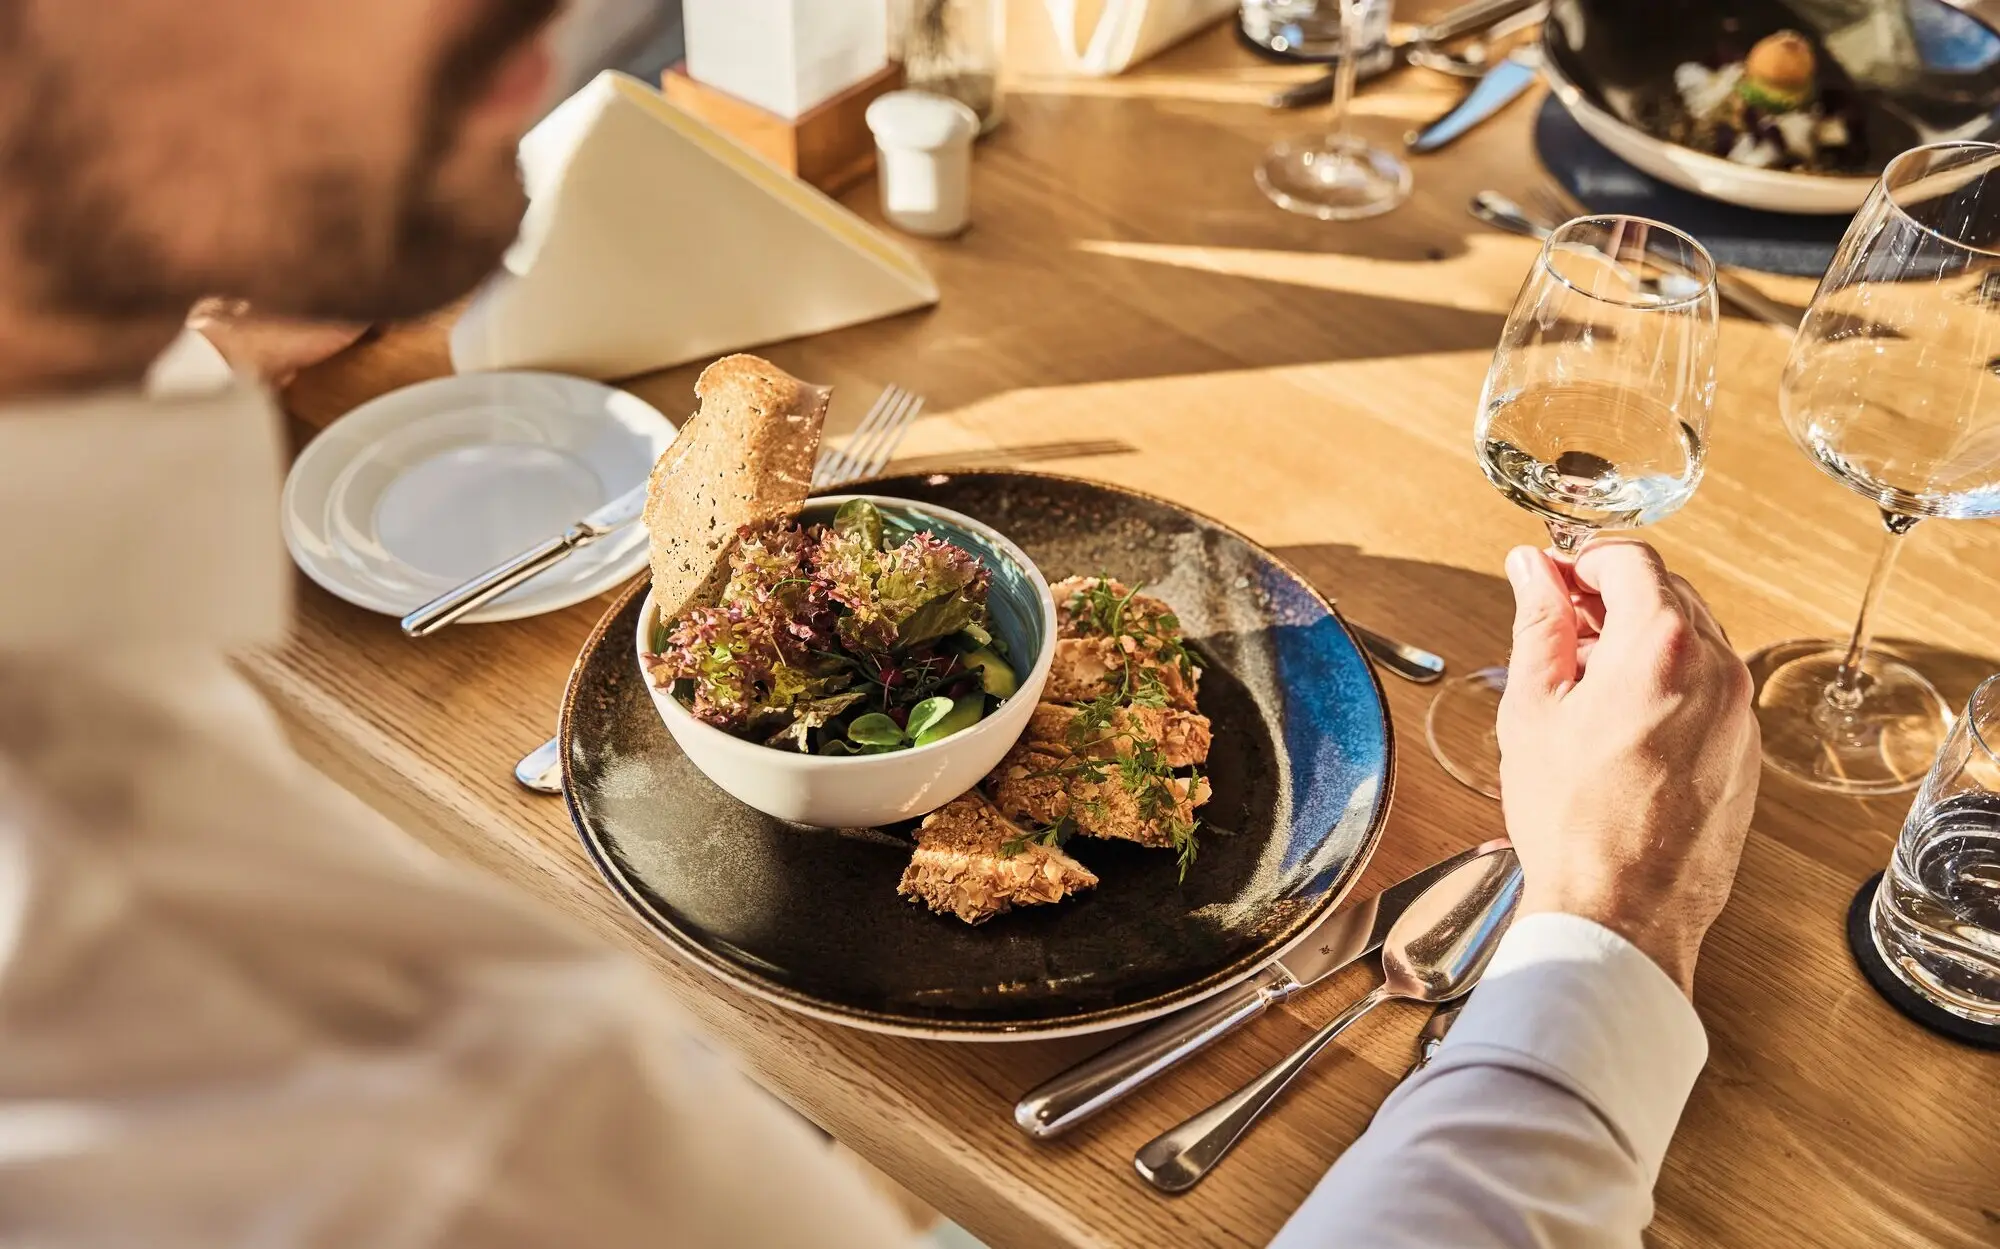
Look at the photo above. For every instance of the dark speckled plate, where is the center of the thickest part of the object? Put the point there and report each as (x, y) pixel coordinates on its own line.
(810, 918)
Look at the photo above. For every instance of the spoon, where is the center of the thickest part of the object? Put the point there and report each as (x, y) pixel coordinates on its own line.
(541, 768)
(1434, 953)
(1502, 213)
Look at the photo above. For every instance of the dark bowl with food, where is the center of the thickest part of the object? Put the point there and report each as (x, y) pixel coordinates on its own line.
(1783, 107)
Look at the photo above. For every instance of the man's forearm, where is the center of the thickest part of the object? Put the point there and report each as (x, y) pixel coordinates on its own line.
(1544, 1118)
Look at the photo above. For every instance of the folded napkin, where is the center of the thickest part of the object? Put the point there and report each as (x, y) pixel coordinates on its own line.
(653, 239)
(1096, 38)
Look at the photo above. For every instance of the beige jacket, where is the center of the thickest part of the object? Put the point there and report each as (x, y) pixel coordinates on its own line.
(237, 1008)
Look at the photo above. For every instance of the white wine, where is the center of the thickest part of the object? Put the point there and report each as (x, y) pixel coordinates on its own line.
(1589, 454)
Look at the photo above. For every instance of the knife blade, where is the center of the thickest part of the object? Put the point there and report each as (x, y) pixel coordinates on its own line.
(501, 578)
(1499, 88)
(1351, 933)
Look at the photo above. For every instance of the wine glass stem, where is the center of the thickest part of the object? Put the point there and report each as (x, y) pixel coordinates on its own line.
(1844, 695)
(1567, 537)
(1344, 71)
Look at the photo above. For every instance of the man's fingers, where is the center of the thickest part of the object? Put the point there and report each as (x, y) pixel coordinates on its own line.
(1698, 609)
(1626, 574)
(1545, 636)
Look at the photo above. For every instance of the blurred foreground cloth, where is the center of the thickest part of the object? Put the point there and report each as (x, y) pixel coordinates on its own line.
(238, 1008)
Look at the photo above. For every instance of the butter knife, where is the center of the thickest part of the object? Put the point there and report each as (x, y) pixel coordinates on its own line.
(1500, 87)
(1351, 933)
(501, 578)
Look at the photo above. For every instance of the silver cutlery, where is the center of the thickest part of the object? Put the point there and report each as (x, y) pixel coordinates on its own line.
(1423, 47)
(541, 768)
(1353, 932)
(1433, 1034)
(1434, 953)
(497, 580)
(868, 448)
(1412, 663)
(1500, 86)
(863, 455)
(1502, 213)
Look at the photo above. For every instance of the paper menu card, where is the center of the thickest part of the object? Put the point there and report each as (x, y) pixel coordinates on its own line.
(652, 239)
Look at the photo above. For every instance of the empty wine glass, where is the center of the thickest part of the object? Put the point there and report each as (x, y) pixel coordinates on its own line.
(1891, 389)
(1594, 416)
(1334, 175)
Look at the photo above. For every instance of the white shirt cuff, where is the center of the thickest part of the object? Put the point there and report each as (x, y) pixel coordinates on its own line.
(1572, 1002)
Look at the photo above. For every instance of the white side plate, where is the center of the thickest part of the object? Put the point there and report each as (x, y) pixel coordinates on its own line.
(418, 490)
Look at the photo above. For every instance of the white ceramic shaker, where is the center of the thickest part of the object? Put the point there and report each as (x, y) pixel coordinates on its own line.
(923, 149)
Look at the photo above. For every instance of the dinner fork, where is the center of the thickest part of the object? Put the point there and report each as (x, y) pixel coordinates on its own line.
(865, 453)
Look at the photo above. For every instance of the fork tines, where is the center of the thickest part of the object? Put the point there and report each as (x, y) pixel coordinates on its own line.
(869, 447)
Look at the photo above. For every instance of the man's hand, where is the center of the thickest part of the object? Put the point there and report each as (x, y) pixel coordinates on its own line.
(1629, 754)
(272, 348)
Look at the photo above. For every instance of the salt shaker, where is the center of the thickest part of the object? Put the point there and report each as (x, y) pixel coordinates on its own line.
(923, 147)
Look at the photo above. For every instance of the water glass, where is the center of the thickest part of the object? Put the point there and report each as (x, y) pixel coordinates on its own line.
(1936, 918)
(1310, 30)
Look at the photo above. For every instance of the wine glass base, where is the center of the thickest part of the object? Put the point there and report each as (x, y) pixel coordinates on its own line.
(1333, 179)
(1460, 728)
(1884, 746)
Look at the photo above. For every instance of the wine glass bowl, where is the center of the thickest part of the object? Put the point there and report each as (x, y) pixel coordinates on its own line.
(1595, 410)
(1594, 415)
(1891, 388)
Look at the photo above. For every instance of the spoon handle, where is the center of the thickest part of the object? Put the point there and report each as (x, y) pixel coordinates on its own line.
(1176, 1160)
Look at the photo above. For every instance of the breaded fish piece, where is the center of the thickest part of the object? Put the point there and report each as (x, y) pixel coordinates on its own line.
(1086, 669)
(1037, 784)
(1181, 738)
(959, 869)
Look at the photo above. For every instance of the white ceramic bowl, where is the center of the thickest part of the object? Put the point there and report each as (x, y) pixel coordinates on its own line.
(862, 791)
(1772, 190)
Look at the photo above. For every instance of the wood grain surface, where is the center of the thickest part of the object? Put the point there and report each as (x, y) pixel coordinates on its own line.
(1128, 307)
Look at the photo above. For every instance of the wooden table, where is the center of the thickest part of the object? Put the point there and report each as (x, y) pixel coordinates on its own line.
(1128, 307)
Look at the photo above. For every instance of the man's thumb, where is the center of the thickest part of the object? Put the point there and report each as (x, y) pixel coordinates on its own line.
(1544, 658)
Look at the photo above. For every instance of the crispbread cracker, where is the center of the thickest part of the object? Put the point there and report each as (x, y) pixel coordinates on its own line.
(744, 458)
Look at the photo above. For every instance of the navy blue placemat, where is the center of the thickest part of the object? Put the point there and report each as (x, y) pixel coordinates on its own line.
(1891, 986)
(1745, 237)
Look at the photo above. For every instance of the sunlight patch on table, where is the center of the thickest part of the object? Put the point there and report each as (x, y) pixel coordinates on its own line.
(1300, 467)
(1483, 277)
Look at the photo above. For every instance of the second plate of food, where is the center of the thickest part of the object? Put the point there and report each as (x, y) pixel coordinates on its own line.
(1300, 768)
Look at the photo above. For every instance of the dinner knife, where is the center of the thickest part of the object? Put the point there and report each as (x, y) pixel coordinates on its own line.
(501, 578)
(1499, 88)
(1353, 932)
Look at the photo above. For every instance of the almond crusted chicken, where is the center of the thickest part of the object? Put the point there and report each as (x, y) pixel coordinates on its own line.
(1054, 788)
(974, 863)
(1115, 642)
(1110, 752)
(1087, 669)
(1180, 737)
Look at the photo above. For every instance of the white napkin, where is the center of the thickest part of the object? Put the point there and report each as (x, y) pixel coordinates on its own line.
(1101, 37)
(653, 239)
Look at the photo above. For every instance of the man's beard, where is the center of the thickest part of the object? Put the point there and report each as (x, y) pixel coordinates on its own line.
(338, 247)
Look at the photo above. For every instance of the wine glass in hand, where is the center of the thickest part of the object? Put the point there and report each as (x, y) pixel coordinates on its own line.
(1594, 416)
(1891, 389)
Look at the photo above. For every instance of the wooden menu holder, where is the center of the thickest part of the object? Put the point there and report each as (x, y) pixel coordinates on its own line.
(829, 147)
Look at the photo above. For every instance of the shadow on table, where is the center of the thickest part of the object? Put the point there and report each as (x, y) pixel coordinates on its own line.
(1956, 673)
